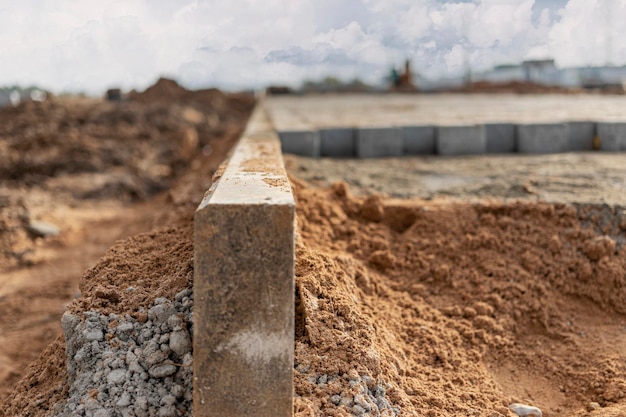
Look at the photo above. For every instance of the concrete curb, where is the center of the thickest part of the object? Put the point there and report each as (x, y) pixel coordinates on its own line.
(338, 143)
(379, 142)
(543, 138)
(244, 257)
(500, 138)
(461, 140)
(419, 140)
(300, 142)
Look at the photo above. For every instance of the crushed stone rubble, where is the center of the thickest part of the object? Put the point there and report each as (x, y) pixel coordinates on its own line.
(141, 365)
(130, 366)
(360, 395)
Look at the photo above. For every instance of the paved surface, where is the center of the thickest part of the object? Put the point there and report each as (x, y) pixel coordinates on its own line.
(328, 110)
(582, 177)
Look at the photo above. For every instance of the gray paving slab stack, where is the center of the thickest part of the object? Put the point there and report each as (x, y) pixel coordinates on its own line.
(461, 140)
(300, 142)
(339, 142)
(581, 136)
(612, 136)
(500, 137)
(418, 140)
(542, 138)
(378, 142)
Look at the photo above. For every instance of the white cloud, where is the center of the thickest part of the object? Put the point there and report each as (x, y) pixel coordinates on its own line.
(91, 45)
(590, 31)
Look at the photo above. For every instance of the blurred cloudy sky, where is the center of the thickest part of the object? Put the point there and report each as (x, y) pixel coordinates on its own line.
(86, 45)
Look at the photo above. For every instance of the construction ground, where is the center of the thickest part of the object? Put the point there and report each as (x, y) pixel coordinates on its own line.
(436, 285)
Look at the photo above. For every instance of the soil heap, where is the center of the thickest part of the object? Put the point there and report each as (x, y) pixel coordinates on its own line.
(83, 156)
(403, 307)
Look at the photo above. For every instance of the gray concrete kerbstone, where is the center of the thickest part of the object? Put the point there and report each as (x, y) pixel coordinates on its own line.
(581, 136)
(612, 136)
(418, 140)
(461, 140)
(300, 142)
(500, 137)
(339, 142)
(543, 138)
(379, 142)
(244, 256)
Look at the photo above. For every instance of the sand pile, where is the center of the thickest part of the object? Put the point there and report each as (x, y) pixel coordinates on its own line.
(456, 309)
(402, 308)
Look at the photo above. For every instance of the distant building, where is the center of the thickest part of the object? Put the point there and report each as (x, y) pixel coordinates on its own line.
(547, 73)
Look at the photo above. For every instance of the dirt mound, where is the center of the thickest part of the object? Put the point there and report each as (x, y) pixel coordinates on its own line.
(89, 149)
(83, 165)
(456, 309)
(417, 307)
(140, 146)
(516, 87)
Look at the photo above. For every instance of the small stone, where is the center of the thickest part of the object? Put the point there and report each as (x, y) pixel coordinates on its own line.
(167, 411)
(124, 400)
(346, 401)
(168, 400)
(42, 229)
(95, 334)
(141, 403)
(124, 327)
(161, 371)
(116, 376)
(357, 410)
(184, 293)
(523, 410)
(174, 322)
(593, 406)
(335, 399)
(101, 412)
(180, 342)
(178, 391)
(360, 400)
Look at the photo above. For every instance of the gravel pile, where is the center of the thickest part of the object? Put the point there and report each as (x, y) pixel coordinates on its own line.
(130, 366)
(359, 395)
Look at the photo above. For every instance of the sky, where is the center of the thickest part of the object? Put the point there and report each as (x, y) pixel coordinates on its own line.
(89, 46)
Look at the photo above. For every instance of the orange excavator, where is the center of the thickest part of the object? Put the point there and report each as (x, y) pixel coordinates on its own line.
(404, 81)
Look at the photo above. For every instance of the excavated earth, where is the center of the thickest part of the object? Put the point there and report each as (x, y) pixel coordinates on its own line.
(436, 307)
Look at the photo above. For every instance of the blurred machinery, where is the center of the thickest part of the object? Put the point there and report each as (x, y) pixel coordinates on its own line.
(403, 82)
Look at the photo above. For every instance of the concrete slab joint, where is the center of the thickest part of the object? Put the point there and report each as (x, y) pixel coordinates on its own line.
(581, 135)
(244, 283)
(612, 136)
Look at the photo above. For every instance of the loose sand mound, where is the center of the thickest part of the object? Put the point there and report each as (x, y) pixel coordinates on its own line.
(455, 309)
(415, 308)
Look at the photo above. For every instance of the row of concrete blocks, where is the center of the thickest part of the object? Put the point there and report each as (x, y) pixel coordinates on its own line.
(455, 140)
